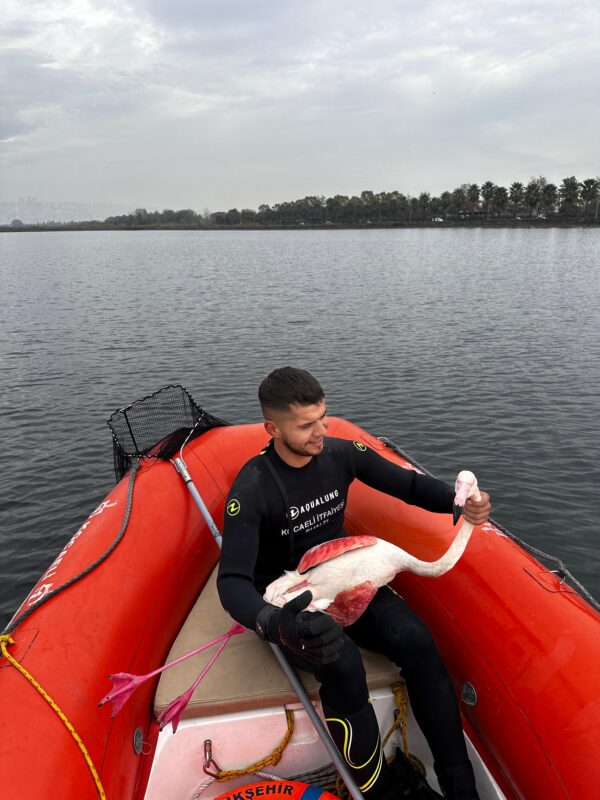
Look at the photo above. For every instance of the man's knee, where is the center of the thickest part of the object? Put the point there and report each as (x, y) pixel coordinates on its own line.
(349, 667)
(419, 642)
(416, 653)
(344, 682)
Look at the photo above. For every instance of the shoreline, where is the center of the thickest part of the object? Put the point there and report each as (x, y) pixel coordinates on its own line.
(479, 223)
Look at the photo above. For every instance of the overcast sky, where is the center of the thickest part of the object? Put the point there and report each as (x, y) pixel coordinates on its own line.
(188, 103)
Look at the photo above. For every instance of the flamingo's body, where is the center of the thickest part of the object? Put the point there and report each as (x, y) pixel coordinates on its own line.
(343, 575)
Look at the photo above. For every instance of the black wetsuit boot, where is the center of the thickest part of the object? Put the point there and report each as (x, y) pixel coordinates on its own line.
(357, 738)
(457, 783)
(451, 760)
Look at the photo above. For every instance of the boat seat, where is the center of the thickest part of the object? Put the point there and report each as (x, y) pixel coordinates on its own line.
(246, 675)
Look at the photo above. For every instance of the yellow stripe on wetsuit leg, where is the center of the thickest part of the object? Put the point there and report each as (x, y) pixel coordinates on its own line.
(348, 733)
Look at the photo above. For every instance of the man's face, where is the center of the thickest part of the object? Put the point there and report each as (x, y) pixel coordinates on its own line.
(301, 429)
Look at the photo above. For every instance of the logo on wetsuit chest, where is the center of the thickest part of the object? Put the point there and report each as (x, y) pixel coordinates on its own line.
(233, 508)
(318, 518)
(312, 504)
(360, 446)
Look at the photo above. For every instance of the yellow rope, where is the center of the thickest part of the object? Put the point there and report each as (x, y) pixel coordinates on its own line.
(401, 716)
(269, 761)
(8, 640)
(401, 721)
(339, 788)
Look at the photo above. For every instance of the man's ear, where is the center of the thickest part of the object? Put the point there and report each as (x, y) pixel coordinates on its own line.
(271, 428)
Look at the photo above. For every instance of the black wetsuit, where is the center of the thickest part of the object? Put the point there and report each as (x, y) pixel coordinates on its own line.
(259, 541)
(262, 538)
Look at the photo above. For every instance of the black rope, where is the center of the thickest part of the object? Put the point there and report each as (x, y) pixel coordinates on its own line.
(12, 625)
(562, 572)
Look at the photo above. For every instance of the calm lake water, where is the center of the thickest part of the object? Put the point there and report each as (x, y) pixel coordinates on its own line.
(469, 348)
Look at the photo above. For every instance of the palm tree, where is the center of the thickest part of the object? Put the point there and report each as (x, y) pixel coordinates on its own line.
(487, 192)
(570, 195)
(517, 196)
(532, 195)
(590, 191)
(549, 198)
(500, 199)
(459, 201)
(473, 197)
(424, 204)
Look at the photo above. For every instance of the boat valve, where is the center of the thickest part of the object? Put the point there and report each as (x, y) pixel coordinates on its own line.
(469, 694)
(209, 760)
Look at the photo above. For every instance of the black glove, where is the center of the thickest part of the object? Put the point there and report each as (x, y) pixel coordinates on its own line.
(313, 636)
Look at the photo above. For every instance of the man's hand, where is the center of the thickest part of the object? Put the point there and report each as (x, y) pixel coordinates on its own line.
(477, 511)
(311, 635)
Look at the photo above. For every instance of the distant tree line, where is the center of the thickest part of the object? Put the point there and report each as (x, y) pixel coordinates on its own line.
(538, 199)
(141, 217)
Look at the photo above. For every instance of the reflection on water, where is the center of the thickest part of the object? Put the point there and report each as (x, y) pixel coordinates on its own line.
(475, 349)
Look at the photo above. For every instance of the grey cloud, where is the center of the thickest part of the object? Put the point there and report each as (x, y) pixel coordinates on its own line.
(327, 93)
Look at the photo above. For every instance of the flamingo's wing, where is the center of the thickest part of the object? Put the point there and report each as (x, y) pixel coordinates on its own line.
(350, 604)
(328, 550)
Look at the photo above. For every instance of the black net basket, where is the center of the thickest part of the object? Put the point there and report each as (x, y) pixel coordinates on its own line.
(157, 426)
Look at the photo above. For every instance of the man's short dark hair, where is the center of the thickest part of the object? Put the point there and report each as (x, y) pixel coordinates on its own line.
(287, 386)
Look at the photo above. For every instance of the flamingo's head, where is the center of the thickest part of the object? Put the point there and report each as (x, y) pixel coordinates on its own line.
(465, 487)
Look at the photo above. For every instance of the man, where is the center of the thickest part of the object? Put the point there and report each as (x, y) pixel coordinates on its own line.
(292, 497)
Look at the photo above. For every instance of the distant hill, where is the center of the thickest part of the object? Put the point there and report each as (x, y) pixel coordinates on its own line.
(30, 210)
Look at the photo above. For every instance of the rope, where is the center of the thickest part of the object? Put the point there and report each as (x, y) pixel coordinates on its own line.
(401, 723)
(326, 777)
(270, 761)
(400, 717)
(12, 625)
(201, 788)
(6, 640)
(562, 572)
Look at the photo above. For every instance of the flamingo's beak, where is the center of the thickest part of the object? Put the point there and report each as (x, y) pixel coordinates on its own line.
(456, 513)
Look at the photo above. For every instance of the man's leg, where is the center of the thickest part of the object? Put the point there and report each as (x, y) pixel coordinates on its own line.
(351, 719)
(389, 626)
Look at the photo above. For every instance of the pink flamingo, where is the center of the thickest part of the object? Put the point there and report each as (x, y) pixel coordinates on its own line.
(344, 574)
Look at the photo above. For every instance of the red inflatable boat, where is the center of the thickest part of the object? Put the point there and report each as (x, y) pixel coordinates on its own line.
(522, 649)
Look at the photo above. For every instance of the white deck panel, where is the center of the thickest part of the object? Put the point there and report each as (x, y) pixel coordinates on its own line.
(244, 738)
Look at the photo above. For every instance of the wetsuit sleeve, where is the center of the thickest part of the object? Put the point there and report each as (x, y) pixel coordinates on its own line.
(405, 484)
(244, 510)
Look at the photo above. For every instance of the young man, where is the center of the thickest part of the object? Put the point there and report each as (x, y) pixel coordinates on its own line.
(270, 522)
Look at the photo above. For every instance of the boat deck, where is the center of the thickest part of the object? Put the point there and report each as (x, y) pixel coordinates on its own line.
(240, 707)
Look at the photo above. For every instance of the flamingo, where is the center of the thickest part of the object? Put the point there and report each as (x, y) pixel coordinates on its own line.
(343, 575)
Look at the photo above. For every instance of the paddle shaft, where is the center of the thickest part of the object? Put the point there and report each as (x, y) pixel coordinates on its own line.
(295, 683)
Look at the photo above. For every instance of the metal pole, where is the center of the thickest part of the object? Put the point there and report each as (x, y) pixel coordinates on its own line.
(317, 722)
(181, 468)
(322, 731)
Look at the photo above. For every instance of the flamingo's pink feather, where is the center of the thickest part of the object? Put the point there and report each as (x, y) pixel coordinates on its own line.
(328, 550)
(350, 604)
